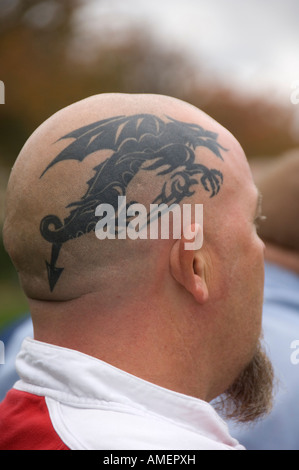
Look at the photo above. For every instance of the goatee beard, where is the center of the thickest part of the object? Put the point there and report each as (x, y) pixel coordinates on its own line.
(250, 397)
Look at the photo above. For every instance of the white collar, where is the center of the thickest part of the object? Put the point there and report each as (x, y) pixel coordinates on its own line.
(76, 379)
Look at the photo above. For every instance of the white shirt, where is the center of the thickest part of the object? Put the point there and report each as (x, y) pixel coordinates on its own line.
(93, 405)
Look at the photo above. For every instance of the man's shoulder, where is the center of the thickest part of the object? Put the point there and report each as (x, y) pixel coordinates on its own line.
(32, 422)
(25, 423)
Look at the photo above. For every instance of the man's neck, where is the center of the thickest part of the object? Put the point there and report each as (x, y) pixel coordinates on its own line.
(140, 340)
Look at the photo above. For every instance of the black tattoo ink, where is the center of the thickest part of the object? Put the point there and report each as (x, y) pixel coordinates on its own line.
(142, 141)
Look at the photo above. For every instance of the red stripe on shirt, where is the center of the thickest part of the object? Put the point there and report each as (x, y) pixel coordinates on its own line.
(25, 423)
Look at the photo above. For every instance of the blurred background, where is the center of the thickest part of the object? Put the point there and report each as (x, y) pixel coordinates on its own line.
(236, 60)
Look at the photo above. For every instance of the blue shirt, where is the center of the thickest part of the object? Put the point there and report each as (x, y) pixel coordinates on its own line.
(12, 338)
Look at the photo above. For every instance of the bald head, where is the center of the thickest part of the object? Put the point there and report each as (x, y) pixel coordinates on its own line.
(98, 171)
(146, 149)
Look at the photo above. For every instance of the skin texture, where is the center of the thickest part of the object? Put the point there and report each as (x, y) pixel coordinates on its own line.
(187, 320)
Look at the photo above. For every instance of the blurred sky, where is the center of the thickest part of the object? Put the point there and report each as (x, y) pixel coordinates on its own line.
(253, 44)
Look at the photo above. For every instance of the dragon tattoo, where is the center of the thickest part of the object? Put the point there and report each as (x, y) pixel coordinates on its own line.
(141, 141)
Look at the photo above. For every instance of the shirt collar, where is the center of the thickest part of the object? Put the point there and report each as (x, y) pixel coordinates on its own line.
(80, 380)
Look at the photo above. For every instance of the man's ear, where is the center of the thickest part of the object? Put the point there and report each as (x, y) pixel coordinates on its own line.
(187, 266)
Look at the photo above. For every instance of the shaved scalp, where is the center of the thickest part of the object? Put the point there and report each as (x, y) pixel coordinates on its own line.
(92, 153)
(138, 142)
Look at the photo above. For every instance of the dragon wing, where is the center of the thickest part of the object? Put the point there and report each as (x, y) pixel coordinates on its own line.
(107, 134)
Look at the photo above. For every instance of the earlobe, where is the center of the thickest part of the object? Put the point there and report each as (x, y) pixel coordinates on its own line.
(201, 293)
(188, 269)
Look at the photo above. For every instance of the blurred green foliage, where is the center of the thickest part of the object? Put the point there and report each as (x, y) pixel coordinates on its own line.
(12, 300)
(7, 268)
